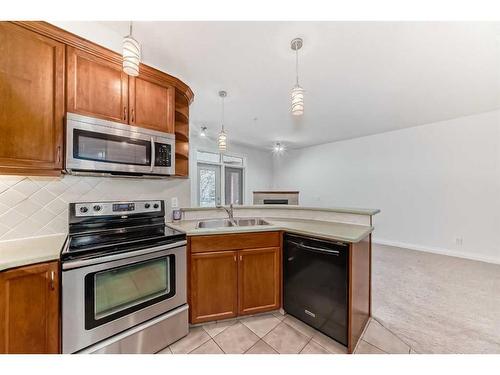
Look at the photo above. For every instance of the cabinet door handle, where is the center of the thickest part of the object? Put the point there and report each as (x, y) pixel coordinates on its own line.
(132, 119)
(241, 258)
(235, 258)
(125, 113)
(52, 278)
(58, 154)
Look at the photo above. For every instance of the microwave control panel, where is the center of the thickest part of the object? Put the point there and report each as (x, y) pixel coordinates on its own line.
(163, 155)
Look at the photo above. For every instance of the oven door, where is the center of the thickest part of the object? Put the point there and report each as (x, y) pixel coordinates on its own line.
(94, 145)
(104, 296)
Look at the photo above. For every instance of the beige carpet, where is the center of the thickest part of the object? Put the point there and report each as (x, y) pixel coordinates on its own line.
(436, 303)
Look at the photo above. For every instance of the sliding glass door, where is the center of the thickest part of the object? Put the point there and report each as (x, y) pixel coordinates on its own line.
(208, 185)
(233, 185)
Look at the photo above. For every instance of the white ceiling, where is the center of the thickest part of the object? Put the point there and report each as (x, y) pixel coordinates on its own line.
(360, 78)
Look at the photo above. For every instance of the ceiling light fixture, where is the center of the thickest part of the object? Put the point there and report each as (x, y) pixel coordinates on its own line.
(131, 54)
(278, 148)
(222, 138)
(203, 132)
(297, 91)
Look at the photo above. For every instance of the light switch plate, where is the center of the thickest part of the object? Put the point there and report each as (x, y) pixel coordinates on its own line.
(175, 202)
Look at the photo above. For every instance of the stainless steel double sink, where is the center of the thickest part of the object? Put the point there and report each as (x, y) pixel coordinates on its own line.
(237, 222)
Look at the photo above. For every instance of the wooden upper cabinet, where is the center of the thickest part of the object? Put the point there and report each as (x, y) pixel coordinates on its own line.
(213, 286)
(31, 102)
(152, 103)
(29, 310)
(259, 281)
(96, 85)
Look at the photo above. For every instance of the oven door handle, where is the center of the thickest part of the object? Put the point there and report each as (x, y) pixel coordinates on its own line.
(153, 153)
(109, 258)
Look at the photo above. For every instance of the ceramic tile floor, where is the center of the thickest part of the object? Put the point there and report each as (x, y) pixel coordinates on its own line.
(275, 333)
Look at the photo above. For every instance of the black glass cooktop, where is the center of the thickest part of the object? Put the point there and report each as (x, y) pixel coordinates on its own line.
(117, 240)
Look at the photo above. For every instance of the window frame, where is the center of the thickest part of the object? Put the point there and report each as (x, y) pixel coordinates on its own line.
(222, 165)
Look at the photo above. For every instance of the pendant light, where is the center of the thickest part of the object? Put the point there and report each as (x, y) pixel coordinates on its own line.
(131, 54)
(222, 138)
(297, 91)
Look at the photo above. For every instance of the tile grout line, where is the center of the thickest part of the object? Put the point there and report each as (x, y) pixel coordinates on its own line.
(307, 343)
(363, 334)
(375, 346)
(397, 336)
(222, 350)
(310, 339)
(197, 346)
(295, 329)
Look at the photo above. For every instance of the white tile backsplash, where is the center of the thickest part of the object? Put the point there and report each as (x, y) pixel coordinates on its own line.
(34, 206)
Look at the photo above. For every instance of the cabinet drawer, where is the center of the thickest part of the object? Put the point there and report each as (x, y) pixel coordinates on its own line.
(234, 241)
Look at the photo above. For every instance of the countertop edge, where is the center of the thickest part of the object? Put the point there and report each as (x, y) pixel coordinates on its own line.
(28, 251)
(28, 262)
(272, 228)
(345, 210)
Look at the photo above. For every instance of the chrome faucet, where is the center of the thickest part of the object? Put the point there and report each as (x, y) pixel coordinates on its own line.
(229, 210)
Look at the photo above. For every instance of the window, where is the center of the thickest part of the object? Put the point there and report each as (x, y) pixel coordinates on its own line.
(208, 185)
(209, 157)
(233, 160)
(220, 175)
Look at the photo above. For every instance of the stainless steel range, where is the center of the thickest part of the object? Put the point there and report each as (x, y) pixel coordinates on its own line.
(123, 279)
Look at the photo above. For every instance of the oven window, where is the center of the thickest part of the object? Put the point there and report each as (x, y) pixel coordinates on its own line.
(110, 148)
(116, 292)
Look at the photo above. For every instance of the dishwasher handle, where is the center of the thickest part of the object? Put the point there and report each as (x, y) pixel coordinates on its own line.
(315, 249)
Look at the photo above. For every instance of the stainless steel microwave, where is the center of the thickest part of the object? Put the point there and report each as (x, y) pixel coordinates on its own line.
(95, 146)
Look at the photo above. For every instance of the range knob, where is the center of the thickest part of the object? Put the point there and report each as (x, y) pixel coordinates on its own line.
(83, 209)
(147, 205)
(97, 208)
(156, 205)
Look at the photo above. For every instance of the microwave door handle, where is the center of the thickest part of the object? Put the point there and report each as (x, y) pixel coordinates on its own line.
(153, 155)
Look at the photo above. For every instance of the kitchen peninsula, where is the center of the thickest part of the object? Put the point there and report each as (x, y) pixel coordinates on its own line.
(238, 266)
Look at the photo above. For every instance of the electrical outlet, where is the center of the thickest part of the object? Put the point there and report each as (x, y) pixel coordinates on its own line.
(459, 241)
(175, 202)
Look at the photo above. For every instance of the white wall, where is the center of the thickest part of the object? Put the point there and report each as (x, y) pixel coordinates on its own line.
(259, 167)
(434, 183)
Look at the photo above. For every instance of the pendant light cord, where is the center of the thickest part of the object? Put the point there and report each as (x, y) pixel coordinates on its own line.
(296, 64)
(223, 113)
(130, 28)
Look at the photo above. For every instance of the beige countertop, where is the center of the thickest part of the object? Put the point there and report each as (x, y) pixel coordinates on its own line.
(22, 252)
(322, 229)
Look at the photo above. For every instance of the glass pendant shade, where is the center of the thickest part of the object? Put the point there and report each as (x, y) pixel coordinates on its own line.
(131, 56)
(297, 101)
(222, 138)
(222, 141)
(297, 107)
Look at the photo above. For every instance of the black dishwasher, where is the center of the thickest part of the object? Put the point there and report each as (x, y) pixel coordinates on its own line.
(315, 284)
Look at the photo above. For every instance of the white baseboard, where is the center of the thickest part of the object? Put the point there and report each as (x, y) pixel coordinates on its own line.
(437, 250)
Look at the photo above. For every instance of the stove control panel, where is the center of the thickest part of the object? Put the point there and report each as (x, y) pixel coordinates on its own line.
(89, 209)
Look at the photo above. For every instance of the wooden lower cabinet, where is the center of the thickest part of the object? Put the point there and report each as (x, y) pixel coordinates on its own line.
(226, 281)
(259, 280)
(214, 286)
(29, 309)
